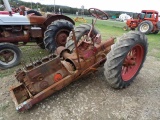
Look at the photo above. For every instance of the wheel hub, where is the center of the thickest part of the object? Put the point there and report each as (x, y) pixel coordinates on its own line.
(144, 27)
(132, 62)
(7, 56)
(129, 61)
(61, 37)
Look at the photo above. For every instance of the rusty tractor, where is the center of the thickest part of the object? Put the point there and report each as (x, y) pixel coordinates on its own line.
(146, 22)
(83, 54)
(19, 29)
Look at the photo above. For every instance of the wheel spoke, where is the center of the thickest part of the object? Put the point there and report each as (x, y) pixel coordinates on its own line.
(6, 56)
(132, 62)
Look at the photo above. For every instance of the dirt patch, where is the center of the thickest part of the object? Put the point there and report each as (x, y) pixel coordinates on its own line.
(93, 99)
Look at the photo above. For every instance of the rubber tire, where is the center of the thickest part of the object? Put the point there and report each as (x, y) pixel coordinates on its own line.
(115, 58)
(13, 48)
(50, 34)
(80, 31)
(35, 12)
(150, 26)
(158, 25)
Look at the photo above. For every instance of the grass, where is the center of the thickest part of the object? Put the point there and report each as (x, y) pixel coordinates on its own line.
(107, 29)
(154, 45)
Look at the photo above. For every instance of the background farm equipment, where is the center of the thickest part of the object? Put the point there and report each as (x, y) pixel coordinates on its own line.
(83, 54)
(16, 30)
(80, 19)
(146, 22)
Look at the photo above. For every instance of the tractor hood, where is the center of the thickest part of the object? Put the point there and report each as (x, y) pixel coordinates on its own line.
(15, 19)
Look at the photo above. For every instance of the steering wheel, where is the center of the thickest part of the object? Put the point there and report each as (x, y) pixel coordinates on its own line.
(98, 13)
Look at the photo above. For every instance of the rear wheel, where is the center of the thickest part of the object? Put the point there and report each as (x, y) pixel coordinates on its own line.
(145, 27)
(56, 34)
(10, 55)
(125, 59)
(81, 33)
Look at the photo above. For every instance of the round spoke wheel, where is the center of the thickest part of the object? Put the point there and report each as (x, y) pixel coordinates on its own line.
(125, 59)
(132, 62)
(7, 56)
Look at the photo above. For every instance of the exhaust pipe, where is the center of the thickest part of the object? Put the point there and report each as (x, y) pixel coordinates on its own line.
(8, 7)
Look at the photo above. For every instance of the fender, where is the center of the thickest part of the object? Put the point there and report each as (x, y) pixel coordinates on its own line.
(51, 18)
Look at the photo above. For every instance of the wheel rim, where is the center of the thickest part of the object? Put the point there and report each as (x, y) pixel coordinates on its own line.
(61, 37)
(125, 28)
(7, 57)
(144, 27)
(132, 62)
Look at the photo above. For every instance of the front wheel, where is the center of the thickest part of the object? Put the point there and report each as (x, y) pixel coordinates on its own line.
(10, 55)
(125, 59)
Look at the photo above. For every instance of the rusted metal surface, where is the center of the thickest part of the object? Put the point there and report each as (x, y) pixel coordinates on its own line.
(36, 32)
(53, 17)
(62, 37)
(37, 20)
(45, 76)
(6, 56)
(33, 75)
(15, 34)
(15, 39)
(28, 103)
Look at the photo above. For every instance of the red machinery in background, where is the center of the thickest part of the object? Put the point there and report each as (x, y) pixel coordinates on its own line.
(146, 22)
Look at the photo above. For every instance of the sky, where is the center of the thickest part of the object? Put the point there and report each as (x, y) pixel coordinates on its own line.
(115, 5)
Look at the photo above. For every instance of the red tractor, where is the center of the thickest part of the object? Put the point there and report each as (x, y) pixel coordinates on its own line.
(146, 22)
(84, 53)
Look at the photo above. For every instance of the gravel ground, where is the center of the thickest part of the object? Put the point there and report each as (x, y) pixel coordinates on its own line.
(91, 98)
